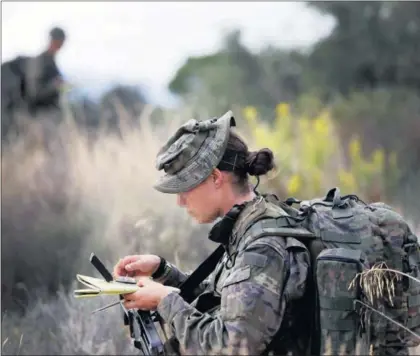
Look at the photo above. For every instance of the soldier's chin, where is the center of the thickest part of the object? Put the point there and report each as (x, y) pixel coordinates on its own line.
(204, 219)
(199, 220)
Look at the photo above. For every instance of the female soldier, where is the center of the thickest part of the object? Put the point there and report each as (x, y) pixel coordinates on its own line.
(260, 280)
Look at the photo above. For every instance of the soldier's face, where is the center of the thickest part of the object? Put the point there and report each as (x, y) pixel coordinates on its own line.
(203, 202)
(56, 45)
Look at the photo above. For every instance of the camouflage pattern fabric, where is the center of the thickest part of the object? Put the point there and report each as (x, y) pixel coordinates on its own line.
(11, 83)
(350, 241)
(192, 153)
(253, 285)
(30, 83)
(339, 323)
(41, 89)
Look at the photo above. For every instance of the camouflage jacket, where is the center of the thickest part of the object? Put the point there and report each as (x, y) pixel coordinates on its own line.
(41, 89)
(254, 288)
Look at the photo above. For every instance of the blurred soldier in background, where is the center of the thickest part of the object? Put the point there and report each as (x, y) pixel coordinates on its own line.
(44, 80)
(32, 85)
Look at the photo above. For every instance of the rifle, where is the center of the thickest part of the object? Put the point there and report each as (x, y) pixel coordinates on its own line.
(141, 323)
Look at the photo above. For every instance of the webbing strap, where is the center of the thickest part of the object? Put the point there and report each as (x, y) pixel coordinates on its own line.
(277, 227)
(338, 324)
(200, 274)
(413, 322)
(414, 300)
(339, 303)
(333, 236)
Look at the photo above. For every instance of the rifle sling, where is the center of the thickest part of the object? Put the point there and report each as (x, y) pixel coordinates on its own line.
(200, 274)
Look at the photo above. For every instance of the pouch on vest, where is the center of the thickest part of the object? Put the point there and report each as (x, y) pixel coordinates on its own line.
(339, 322)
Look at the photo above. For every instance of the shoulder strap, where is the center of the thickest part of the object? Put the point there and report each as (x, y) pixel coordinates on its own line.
(200, 274)
(282, 226)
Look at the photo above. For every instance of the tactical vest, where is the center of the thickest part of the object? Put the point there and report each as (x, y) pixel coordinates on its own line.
(260, 218)
(251, 224)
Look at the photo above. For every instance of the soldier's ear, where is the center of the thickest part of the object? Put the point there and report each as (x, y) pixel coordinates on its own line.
(217, 177)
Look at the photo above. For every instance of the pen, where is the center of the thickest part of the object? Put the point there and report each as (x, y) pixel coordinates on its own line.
(106, 306)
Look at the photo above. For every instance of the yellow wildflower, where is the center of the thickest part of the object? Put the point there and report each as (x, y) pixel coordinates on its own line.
(250, 113)
(283, 110)
(294, 184)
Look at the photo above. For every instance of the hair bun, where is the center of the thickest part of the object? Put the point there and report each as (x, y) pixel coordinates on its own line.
(260, 162)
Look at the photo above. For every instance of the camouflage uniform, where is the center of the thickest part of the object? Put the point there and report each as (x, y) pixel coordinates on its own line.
(29, 86)
(42, 92)
(249, 296)
(30, 81)
(267, 274)
(12, 100)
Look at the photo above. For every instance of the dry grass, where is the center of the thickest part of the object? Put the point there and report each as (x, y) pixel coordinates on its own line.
(65, 326)
(65, 196)
(378, 283)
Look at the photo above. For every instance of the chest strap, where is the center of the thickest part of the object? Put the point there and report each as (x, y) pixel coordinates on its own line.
(200, 274)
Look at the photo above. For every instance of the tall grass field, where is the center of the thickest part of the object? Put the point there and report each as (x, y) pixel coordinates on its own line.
(65, 195)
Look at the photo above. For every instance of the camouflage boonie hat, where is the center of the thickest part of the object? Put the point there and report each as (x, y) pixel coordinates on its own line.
(192, 153)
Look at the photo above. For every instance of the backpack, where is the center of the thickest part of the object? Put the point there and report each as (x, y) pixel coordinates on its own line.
(361, 307)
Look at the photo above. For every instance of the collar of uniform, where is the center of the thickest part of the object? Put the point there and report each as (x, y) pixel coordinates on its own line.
(255, 208)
